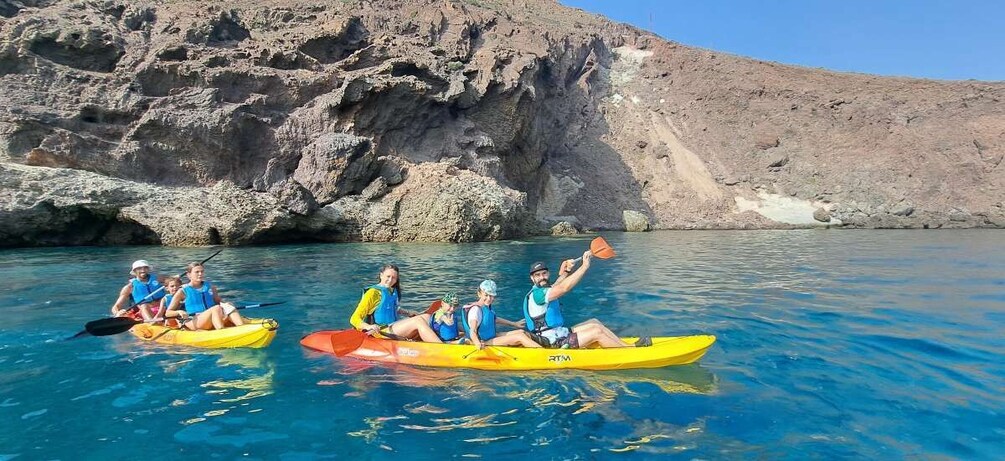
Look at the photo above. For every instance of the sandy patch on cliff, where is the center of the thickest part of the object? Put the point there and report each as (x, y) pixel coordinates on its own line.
(787, 210)
(628, 62)
(688, 166)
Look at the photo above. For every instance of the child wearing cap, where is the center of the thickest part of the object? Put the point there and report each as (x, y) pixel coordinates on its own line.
(443, 321)
(479, 321)
(143, 290)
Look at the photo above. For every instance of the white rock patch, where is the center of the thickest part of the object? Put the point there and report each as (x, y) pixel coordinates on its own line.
(784, 209)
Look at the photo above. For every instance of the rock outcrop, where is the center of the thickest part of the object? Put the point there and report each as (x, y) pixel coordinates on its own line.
(452, 121)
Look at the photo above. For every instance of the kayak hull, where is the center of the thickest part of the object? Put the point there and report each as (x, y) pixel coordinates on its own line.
(665, 351)
(256, 333)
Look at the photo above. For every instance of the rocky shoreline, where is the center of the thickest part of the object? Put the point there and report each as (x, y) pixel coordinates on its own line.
(184, 123)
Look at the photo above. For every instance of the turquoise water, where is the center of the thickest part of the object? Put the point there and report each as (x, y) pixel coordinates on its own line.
(847, 344)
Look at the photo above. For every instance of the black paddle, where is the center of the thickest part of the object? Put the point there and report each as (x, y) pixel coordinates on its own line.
(145, 299)
(116, 325)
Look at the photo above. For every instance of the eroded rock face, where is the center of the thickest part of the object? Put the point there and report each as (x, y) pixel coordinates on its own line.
(332, 120)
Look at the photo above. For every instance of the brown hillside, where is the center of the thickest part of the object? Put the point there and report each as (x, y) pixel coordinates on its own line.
(184, 122)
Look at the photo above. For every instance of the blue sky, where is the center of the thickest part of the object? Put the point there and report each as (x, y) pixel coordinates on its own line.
(942, 39)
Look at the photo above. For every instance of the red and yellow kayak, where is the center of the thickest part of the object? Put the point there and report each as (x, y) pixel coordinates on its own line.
(665, 351)
(255, 333)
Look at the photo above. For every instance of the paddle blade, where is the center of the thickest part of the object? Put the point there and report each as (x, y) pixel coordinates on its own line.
(601, 249)
(346, 341)
(433, 307)
(110, 326)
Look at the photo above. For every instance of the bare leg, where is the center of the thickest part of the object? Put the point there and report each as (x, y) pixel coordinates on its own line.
(415, 326)
(229, 315)
(592, 321)
(202, 321)
(145, 312)
(513, 338)
(235, 319)
(596, 333)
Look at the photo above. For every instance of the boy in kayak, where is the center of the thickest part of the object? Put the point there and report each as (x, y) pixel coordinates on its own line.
(378, 311)
(199, 300)
(544, 315)
(144, 289)
(444, 321)
(479, 321)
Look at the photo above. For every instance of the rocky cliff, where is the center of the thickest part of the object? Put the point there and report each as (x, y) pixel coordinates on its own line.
(189, 123)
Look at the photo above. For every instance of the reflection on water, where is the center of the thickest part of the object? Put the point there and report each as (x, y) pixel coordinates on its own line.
(516, 397)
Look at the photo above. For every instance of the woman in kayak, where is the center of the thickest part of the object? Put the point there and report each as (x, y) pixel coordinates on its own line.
(543, 314)
(379, 311)
(144, 290)
(479, 321)
(199, 301)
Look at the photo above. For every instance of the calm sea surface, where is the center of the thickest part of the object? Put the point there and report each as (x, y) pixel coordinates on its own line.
(831, 345)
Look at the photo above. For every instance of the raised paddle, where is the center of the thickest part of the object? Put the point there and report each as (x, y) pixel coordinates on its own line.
(116, 325)
(146, 298)
(600, 249)
(434, 307)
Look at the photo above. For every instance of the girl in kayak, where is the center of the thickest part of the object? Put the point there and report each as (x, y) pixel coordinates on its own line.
(171, 286)
(479, 321)
(378, 310)
(199, 300)
(144, 289)
(544, 315)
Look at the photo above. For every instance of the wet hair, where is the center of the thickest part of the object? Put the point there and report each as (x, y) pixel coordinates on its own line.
(397, 283)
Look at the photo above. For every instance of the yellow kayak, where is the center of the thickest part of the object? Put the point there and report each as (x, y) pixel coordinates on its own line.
(255, 333)
(665, 351)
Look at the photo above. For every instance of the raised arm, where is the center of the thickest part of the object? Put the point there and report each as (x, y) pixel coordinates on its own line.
(565, 283)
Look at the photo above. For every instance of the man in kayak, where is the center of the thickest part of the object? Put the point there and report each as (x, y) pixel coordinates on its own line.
(544, 315)
(479, 321)
(143, 290)
(379, 311)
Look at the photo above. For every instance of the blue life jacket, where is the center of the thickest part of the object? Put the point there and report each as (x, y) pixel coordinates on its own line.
(444, 331)
(198, 300)
(552, 317)
(386, 312)
(167, 302)
(141, 291)
(487, 329)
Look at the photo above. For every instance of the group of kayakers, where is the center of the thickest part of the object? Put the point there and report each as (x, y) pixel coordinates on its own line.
(195, 305)
(379, 313)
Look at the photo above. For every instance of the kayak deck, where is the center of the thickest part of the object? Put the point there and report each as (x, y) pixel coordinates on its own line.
(665, 351)
(256, 333)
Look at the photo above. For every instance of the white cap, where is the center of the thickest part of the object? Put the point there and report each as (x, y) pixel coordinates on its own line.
(140, 263)
(488, 287)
